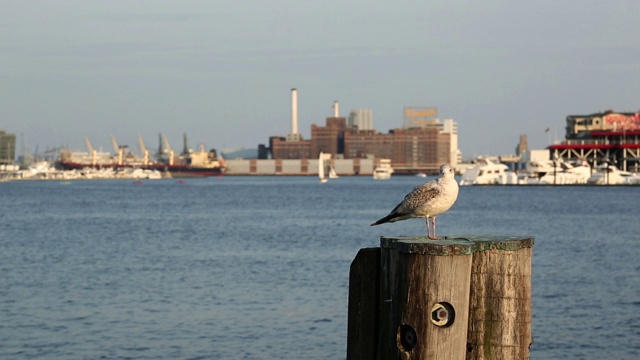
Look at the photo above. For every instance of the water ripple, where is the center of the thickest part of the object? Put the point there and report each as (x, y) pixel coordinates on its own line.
(254, 267)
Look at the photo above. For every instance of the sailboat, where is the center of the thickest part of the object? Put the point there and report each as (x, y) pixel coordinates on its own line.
(323, 179)
(332, 173)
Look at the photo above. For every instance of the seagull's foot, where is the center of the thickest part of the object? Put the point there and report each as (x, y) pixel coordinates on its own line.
(433, 237)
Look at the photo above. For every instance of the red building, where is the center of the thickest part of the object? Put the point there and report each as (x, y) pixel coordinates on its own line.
(283, 149)
(602, 137)
(410, 150)
(328, 139)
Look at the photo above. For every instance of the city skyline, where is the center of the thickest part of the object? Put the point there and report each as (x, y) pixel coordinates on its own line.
(445, 125)
(221, 72)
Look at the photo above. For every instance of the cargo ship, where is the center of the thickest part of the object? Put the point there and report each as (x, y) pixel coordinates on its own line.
(189, 163)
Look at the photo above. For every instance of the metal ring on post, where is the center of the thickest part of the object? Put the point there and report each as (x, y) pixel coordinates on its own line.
(443, 314)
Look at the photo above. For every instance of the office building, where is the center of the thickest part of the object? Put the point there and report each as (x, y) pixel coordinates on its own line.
(7, 147)
(362, 119)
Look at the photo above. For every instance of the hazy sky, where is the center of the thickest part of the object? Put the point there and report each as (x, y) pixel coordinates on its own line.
(222, 71)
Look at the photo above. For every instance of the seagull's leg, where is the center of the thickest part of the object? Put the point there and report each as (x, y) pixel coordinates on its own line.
(426, 221)
(434, 237)
(434, 229)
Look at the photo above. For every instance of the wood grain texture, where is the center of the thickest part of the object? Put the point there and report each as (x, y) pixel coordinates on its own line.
(364, 309)
(486, 279)
(500, 306)
(411, 284)
(436, 279)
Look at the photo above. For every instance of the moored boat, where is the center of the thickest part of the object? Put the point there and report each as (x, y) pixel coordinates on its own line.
(606, 174)
(383, 171)
(549, 172)
(487, 172)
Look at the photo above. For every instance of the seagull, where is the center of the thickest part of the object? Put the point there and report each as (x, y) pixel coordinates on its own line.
(427, 201)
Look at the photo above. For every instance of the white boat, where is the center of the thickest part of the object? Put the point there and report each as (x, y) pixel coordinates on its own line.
(606, 174)
(143, 174)
(323, 179)
(383, 171)
(154, 175)
(487, 172)
(548, 172)
(332, 173)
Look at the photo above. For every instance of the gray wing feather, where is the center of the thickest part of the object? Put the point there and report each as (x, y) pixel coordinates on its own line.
(422, 194)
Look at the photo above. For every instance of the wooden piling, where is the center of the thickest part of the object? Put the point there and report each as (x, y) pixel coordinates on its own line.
(364, 292)
(463, 297)
(500, 307)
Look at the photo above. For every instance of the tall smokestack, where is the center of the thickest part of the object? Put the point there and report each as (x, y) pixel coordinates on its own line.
(294, 111)
(294, 135)
(336, 111)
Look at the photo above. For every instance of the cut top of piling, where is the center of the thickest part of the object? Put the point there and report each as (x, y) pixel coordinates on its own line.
(455, 244)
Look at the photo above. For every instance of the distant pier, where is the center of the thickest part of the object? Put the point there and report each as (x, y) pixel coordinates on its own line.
(298, 167)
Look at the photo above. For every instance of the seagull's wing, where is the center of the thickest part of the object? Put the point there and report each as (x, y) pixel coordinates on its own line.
(421, 194)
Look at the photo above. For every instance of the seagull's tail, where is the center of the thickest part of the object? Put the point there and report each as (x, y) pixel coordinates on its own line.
(389, 218)
(395, 215)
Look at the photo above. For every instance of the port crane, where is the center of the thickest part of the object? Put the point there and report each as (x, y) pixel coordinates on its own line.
(185, 149)
(144, 151)
(119, 150)
(165, 150)
(92, 151)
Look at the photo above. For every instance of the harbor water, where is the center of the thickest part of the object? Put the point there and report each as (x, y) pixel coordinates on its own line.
(257, 267)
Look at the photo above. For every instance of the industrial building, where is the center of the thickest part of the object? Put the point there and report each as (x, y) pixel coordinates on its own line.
(281, 148)
(422, 145)
(410, 150)
(329, 139)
